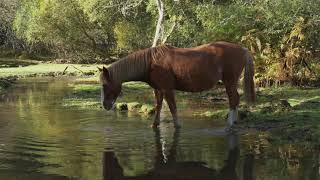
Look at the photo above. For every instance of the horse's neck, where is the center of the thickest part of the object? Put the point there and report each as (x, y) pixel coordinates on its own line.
(129, 70)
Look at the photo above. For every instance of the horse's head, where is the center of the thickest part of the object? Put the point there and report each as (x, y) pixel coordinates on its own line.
(110, 90)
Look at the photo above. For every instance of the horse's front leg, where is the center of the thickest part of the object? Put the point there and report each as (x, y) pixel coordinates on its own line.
(170, 98)
(159, 98)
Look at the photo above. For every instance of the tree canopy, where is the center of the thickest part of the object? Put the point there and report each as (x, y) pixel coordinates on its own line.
(282, 35)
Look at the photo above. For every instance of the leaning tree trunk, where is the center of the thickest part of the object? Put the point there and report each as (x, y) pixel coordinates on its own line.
(159, 23)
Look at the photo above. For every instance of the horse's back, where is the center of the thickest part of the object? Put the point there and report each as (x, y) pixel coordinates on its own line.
(200, 68)
(194, 69)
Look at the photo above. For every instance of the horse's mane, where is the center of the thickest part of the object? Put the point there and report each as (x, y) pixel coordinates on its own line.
(135, 65)
(152, 53)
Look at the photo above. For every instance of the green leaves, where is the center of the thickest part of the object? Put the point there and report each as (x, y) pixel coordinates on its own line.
(278, 32)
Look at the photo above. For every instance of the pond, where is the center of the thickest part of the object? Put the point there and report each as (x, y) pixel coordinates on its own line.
(42, 139)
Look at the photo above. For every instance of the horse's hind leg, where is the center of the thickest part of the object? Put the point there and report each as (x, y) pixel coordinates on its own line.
(169, 96)
(159, 99)
(233, 96)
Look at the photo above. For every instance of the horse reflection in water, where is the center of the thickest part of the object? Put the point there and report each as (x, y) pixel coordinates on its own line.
(167, 168)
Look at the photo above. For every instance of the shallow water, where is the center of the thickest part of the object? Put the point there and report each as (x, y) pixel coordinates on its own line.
(41, 139)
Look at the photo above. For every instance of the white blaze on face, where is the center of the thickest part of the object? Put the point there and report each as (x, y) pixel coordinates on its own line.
(102, 81)
(102, 95)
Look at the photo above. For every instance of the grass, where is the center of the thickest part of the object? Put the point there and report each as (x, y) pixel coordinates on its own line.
(88, 96)
(288, 113)
(147, 109)
(217, 114)
(48, 69)
(29, 68)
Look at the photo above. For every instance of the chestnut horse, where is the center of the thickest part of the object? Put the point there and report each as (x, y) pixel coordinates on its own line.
(166, 69)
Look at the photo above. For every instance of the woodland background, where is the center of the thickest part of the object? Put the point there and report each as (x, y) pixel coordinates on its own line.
(283, 35)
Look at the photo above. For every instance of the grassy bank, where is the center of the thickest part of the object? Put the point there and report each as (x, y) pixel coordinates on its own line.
(47, 69)
(29, 68)
(13, 69)
(287, 113)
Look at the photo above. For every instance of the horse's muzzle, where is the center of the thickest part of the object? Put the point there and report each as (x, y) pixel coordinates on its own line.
(108, 105)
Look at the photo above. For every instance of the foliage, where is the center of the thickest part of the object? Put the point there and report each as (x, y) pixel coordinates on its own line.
(282, 35)
(8, 39)
(283, 41)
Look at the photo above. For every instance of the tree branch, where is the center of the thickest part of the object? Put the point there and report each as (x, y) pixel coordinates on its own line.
(169, 33)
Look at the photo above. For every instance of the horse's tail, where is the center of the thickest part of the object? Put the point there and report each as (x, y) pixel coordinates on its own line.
(248, 88)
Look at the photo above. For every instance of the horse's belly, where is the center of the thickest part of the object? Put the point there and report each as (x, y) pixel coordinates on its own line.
(197, 82)
(196, 73)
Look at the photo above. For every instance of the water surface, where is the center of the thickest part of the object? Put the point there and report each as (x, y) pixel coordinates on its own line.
(42, 139)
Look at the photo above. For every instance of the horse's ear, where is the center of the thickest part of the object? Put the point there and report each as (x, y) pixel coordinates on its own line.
(106, 73)
(100, 69)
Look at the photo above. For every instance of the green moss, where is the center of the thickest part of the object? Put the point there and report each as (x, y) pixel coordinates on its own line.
(134, 106)
(214, 114)
(121, 106)
(147, 109)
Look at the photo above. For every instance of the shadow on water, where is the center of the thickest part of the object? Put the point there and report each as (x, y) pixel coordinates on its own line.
(169, 168)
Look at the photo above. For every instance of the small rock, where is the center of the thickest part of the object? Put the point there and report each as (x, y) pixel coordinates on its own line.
(147, 109)
(122, 106)
(285, 103)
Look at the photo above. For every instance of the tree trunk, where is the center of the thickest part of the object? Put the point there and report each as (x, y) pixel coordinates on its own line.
(159, 23)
